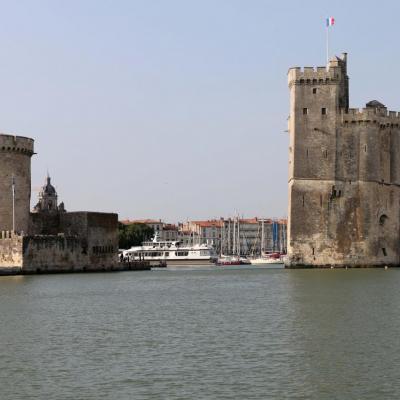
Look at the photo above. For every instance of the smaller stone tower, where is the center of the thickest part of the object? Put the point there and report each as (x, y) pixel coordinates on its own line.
(15, 167)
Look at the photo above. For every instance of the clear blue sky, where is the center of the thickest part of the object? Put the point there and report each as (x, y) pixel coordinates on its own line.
(177, 109)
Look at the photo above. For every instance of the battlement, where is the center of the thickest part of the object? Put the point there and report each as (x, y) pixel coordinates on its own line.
(371, 115)
(335, 71)
(16, 144)
(10, 235)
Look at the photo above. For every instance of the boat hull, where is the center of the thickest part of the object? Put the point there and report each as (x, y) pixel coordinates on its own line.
(189, 263)
(272, 262)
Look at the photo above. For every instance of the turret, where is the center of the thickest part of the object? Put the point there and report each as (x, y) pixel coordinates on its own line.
(15, 182)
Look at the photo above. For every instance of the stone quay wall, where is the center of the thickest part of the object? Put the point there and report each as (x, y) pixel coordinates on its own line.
(89, 243)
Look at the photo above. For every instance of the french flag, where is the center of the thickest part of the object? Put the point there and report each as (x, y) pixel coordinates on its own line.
(330, 21)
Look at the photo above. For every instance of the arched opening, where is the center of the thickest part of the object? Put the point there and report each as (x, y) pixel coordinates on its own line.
(382, 219)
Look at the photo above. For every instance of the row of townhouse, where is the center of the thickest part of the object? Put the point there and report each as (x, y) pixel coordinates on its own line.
(243, 236)
(228, 235)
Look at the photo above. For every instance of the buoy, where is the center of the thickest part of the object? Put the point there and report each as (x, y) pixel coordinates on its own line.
(386, 267)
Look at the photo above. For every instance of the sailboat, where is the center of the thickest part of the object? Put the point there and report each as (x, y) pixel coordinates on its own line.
(266, 258)
(234, 258)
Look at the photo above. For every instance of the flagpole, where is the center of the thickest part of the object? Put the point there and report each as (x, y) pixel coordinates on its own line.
(13, 202)
(327, 45)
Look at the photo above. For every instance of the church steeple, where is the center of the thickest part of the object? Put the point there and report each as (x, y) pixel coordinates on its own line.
(48, 199)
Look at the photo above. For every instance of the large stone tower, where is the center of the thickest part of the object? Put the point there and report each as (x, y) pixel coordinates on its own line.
(15, 164)
(344, 174)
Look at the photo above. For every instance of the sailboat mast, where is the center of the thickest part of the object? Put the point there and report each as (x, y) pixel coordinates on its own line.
(262, 237)
(238, 238)
(222, 238)
(229, 236)
(234, 236)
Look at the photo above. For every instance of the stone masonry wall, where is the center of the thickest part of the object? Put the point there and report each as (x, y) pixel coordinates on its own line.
(10, 252)
(54, 253)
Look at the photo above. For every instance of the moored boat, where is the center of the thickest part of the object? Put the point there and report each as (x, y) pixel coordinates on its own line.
(232, 260)
(271, 258)
(173, 253)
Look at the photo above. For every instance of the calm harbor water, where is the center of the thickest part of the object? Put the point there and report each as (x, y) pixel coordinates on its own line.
(211, 334)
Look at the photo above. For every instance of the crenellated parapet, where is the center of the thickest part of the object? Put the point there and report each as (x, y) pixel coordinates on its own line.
(16, 144)
(10, 235)
(377, 116)
(332, 74)
(312, 76)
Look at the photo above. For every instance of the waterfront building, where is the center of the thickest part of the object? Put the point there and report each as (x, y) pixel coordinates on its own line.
(164, 231)
(206, 231)
(156, 224)
(169, 232)
(244, 236)
(344, 173)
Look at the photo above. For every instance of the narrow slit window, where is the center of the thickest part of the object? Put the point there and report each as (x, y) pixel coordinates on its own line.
(314, 90)
(305, 111)
(323, 111)
(303, 200)
(307, 153)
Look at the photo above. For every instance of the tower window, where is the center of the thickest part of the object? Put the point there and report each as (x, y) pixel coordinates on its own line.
(314, 90)
(323, 111)
(305, 111)
(384, 251)
(382, 219)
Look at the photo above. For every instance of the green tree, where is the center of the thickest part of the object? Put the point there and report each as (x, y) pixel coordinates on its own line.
(133, 234)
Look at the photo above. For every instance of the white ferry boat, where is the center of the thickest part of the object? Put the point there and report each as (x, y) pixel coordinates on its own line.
(174, 253)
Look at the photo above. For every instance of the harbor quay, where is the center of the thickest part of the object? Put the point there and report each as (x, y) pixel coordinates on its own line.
(245, 236)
